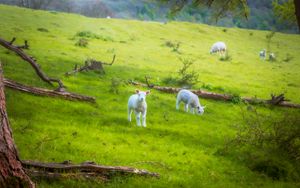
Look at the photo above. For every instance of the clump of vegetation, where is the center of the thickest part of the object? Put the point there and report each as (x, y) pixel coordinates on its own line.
(82, 42)
(251, 34)
(288, 58)
(174, 45)
(115, 85)
(210, 87)
(187, 76)
(269, 145)
(91, 35)
(236, 98)
(43, 30)
(224, 30)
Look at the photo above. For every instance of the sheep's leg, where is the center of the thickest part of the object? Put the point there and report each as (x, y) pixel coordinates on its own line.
(193, 110)
(144, 119)
(177, 104)
(186, 107)
(129, 114)
(137, 116)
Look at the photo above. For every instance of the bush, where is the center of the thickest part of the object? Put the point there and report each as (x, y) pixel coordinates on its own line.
(91, 35)
(268, 144)
(186, 75)
(43, 30)
(115, 84)
(174, 45)
(82, 42)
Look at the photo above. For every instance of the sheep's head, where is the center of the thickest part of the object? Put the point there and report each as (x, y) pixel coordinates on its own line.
(142, 95)
(200, 109)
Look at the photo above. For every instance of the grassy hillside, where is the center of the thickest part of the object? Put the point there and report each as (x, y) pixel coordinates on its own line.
(180, 146)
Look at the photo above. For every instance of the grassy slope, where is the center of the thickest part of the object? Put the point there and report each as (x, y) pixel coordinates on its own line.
(182, 146)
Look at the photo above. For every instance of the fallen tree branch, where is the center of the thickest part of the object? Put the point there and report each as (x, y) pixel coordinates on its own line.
(276, 100)
(89, 169)
(90, 64)
(46, 92)
(18, 50)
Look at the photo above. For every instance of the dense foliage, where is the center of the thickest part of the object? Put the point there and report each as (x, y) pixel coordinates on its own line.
(262, 15)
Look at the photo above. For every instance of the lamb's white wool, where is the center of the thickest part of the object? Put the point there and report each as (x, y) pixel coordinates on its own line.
(190, 100)
(137, 103)
(262, 54)
(272, 56)
(218, 47)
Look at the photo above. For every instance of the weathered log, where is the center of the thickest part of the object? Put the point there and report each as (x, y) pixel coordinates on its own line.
(90, 167)
(18, 50)
(11, 170)
(276, 100)
(46, 92)
(90, 64)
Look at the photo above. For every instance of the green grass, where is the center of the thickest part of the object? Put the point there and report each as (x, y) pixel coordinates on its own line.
(180, 146)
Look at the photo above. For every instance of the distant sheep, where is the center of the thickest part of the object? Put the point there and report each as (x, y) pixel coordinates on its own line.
(262, 54)
(190, 100)
(137, 103)
(218, 47)
(272, 57)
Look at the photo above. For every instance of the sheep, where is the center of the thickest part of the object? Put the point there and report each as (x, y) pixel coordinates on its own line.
(272, 57)
(218, 47)
(137, 103)
(190, 100)
(262, 54)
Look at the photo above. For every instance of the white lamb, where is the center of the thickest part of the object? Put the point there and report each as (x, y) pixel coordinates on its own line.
(137, 103)
(218, 47)
(190, 100)
(262, 54)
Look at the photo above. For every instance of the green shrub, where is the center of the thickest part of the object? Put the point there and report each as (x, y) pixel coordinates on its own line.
(42, 30)
(187, 76)
(174, 45)
(268, 144)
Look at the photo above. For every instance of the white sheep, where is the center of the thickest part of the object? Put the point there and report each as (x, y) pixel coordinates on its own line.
(218, 47)
(272, 57)
(190, 100)
(262, 54)
(137, 103)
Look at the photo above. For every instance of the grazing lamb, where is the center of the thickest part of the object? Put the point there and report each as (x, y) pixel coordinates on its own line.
(137, 103)
(218, 47)
(272, 57)
(190, 100)
(262, 54)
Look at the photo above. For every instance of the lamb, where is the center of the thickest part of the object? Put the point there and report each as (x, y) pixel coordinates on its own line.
(272, 57)
(137, 103)
(190, 100)
(218, 47)
(262, 54)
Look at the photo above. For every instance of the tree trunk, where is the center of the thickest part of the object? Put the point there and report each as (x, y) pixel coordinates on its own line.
(297, 12)
(12, 174)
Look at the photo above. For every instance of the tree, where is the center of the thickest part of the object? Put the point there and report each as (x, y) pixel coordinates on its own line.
(12, 173)
(286, 11)
(222, 8)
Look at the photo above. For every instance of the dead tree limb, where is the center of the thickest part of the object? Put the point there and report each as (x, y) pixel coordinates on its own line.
(12, 173)
(46, 92)
(18, 50)
(90, 64)
(85, 168)
(275, 100)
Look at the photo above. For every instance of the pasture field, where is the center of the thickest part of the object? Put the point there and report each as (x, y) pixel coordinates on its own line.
(182, 148)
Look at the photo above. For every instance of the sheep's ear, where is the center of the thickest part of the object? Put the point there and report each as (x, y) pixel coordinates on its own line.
(148, 92)
(137, 91)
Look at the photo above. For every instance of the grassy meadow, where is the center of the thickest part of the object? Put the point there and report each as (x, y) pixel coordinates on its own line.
(182, 148)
